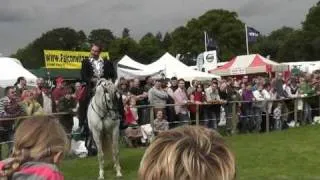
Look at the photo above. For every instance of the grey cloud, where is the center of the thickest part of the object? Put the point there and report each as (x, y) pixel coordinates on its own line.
(33, 17)
(14, 15)
(122, 8)
(259, 8)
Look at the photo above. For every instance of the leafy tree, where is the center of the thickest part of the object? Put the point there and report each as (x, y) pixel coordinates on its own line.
(103, 36)
(125, 33)
(311, 27)
(284, 44)
(224, 26)
(150, 46)
(270, 45)
(179, 40)
(124, 46)
(57, 39)
(166, 42)
(83, 42)
(159, 36)
(294, 48)
(312, 22)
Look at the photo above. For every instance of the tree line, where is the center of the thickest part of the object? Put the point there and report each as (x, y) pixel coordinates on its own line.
(225, 27)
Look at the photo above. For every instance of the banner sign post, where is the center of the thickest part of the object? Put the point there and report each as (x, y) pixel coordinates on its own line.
(56, 59)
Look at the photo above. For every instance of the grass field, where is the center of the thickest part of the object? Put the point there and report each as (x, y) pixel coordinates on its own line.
(293, 154)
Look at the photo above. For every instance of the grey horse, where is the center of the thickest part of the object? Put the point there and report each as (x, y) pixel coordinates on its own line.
(104, 121)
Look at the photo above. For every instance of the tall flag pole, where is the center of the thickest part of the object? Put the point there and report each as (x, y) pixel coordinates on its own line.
(247, 39)
(251, 36)
(205, 41)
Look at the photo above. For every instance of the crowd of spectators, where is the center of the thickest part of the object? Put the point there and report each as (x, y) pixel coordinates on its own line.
(253, 98)
(20, 101)
(174, 103)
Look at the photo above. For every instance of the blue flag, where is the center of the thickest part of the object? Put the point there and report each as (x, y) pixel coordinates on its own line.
(253, 34)
(210, 43)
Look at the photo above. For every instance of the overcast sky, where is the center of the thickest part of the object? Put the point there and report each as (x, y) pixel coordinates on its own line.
(21, 21)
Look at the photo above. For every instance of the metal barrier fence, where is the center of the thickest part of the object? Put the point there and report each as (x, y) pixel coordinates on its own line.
(234, 116)
(5, 141)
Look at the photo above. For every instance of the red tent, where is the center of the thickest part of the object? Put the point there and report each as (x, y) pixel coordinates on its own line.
(249, 64)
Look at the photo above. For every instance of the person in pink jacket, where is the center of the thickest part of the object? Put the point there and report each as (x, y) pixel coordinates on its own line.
(181, 103)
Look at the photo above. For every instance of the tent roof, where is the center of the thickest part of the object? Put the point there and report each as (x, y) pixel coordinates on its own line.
(174, 68)
(128, 68)
(11, 69)
(140, 74)
(248, 64)
(127, 61)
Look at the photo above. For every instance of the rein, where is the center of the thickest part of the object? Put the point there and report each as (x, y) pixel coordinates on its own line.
(93, 101)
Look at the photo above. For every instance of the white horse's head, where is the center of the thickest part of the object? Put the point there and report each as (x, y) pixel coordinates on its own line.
(105, 85)
(107, 90)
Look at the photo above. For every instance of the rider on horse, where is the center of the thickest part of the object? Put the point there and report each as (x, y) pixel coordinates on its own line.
(92, 70)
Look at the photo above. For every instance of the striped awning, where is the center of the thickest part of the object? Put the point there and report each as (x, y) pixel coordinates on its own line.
(249, 64)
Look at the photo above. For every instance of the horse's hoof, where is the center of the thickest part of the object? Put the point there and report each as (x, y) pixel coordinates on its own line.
(100, 178)
(119, 175)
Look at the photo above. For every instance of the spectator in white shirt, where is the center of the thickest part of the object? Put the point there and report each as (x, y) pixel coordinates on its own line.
(261, 95)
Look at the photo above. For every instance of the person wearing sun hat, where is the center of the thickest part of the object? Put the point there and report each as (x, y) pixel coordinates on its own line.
(59, 91)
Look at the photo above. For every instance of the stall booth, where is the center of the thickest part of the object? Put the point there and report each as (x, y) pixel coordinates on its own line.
(249, 65)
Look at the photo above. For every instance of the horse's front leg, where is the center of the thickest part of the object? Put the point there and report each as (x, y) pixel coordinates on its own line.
(115, 151)
(96, 136)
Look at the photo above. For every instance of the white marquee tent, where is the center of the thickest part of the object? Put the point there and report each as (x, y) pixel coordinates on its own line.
(174, 68)
(128, 68)
(304, 66)
(127, 61)
(167, 66)
(11, 69)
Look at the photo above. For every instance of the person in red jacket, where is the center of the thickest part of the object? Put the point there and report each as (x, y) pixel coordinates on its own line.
(39, 146)
(197, 97)
(59, 91)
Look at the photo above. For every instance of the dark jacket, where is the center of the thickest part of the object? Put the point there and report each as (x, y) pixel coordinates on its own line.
(87, 72)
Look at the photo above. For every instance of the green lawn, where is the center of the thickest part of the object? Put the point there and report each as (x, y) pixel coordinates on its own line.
(293, 154)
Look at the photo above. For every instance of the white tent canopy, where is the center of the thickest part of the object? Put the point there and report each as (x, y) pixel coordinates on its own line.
(305, 66)
(174, 68)
(127, 61)
(140, 74)
(11, 69)
(128, 68)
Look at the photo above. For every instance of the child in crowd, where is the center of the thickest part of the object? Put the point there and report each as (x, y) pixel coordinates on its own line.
(39, 145)
(277, 117)
(133, 132)
(67, 104)
(131, 112)
(188, 152)
(160, 124)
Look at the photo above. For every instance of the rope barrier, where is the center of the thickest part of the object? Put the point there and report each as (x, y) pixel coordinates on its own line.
(7, 142)
(25, 117)
(227, 102)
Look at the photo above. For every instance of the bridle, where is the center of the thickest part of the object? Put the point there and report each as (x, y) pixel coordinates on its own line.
(107, 107)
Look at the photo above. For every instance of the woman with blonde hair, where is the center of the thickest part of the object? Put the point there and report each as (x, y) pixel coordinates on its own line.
(39, 146)
(188, 153)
